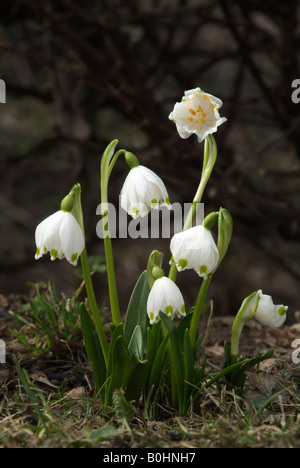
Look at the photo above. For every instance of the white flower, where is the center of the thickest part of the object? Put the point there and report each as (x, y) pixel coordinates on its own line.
(61, 235)
(143, 190)
(269, 314)
(197, 113)
(165, 296)
(195, 248)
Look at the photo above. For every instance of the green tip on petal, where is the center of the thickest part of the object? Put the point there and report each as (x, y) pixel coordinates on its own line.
(151, 316)
(182, 263)
(282, 310)
(53, 254)
(183, 309)
(74, 257)
(203, 269)
(38, 251)
(167, 201)
(169, 310)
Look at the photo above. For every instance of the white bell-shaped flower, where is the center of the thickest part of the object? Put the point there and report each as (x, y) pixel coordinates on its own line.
(269, 314)
(197, 113)
(195, 248)
(143, 190)
(61, 235)
(165, 296)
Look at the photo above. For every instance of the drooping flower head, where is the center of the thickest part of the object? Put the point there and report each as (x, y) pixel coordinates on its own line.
(195, 248)
(197, 113)
(165, 296)
(143, 190)
(61, 235)
(268, 313)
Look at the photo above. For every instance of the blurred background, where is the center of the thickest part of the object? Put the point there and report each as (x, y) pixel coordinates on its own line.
(81, 73)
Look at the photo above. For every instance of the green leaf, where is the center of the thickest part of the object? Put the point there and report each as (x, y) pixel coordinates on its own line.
(105, 433)
(137, 378)
(137, 311)
(188, 366)
(93, 347)
(118, 364)
(135, 345)
(176, 357)
(27, 384)
(156, 365)
(225, 228)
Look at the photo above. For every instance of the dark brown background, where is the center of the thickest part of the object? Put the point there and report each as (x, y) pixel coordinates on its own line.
(80, 74)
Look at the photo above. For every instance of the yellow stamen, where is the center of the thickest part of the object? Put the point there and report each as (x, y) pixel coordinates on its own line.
(196, 121)
(200, 108)
(190, 119)
(192, 111)
(202, 119)
(203, 114)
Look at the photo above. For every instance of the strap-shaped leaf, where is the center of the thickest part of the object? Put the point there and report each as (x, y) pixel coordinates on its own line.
(188, 366)
(137, 313)
(137, 378)
(176, 357)
(93, 347)
(135, 346)
(158, 364)
(119, 366)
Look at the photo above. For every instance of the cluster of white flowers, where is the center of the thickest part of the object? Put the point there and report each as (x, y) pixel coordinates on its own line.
(194, 248)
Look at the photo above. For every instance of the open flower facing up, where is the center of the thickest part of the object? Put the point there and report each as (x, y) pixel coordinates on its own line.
(269, 314)
(195, 248)
(61, 235)
(143, 190)
(197, 113)
(165, 296)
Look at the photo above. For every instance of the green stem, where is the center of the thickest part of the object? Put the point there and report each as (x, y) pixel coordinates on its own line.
(93, 303)
(237, 328)
(209, 159)
(246, 313)
(107, 165)
(111, 278)
(199, 309)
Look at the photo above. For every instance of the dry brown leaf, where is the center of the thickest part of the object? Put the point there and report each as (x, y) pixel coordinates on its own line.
(262, 381)
(39, 376)
(75, 394)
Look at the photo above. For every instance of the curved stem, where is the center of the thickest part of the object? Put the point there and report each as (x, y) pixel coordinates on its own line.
(107, 165)
(209, 159)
